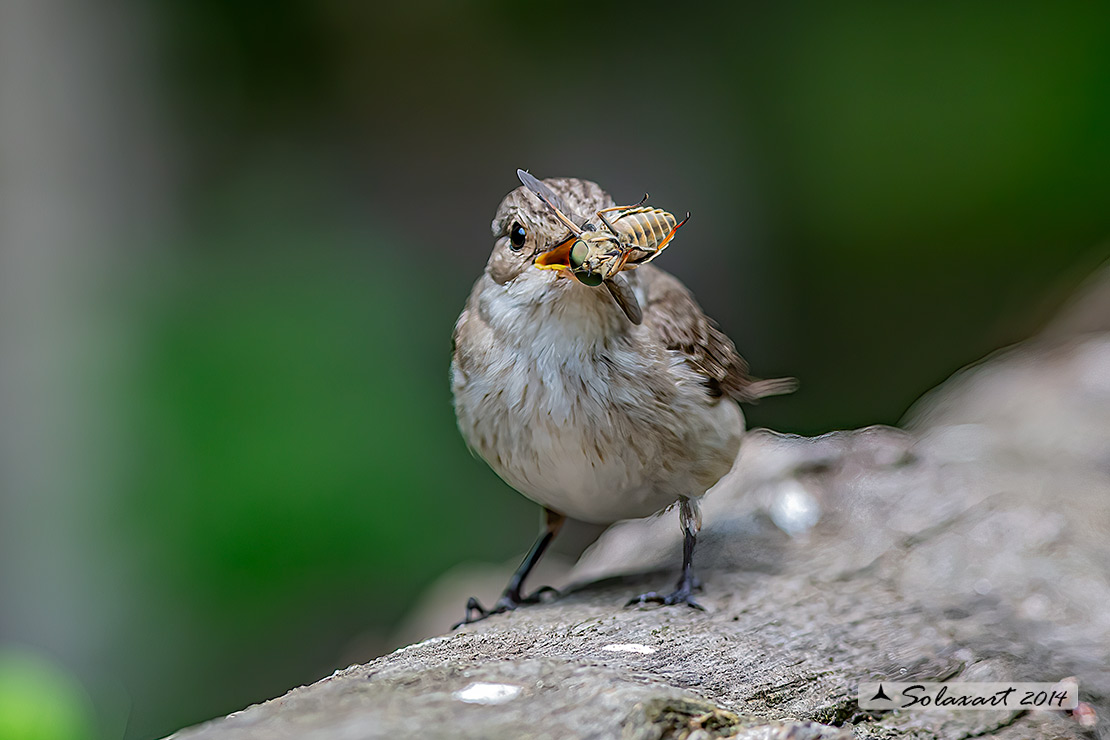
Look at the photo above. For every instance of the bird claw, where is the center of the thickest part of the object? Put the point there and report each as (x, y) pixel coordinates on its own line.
(684, 594)
(537, 596)
(475, 612)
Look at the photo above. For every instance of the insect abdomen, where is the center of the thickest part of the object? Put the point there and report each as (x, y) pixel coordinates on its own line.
(645, 227)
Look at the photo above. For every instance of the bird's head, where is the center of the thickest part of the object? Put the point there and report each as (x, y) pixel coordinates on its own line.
(542, 243)
(528, 235)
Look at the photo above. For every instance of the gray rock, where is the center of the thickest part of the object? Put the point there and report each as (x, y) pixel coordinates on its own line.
(972, 545)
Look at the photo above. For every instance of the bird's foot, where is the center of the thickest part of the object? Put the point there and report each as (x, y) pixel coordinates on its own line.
(684, 594)
(475, 612)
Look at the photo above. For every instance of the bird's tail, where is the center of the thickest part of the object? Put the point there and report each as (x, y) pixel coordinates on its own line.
(770, 387)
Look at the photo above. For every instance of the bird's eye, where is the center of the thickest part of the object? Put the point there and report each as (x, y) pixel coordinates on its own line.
(517, 236)
(578, 254)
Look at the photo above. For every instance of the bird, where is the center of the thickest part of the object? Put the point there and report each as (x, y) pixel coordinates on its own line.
(599, 405)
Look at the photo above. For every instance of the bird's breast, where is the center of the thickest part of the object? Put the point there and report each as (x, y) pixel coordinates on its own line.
(576, 413)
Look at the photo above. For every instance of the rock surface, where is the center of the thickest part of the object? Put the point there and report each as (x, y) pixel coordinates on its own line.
(974, 545)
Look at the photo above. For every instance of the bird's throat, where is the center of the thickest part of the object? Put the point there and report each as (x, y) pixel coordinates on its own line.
(546, 315)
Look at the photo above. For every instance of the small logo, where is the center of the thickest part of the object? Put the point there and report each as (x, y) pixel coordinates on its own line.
(982, 696)
(880, 695)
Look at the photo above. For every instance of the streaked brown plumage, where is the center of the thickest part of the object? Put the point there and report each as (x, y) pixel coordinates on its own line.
(680, 325)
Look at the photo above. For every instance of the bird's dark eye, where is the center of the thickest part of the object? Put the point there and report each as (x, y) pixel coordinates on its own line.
(517, 236)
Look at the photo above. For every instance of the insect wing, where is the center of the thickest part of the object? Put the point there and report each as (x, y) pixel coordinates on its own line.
(625, 297)
(553, 201)
(546, 194)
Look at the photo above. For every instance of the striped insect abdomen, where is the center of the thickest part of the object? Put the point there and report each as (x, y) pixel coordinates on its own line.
(644, 227)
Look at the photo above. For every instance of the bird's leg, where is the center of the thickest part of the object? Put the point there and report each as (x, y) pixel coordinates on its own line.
(690, 516)
(512, 597)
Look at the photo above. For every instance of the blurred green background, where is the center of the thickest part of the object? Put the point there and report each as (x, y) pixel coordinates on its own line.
(234, 237)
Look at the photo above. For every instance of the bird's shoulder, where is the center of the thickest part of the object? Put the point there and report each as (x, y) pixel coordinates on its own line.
(470, 333)
(676, 321)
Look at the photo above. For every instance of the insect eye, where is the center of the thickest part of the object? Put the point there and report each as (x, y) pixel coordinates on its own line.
(578, 254)
(517, 236)
(592, 279)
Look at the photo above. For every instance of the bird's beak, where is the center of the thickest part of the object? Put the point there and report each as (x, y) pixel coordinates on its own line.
(557, 258)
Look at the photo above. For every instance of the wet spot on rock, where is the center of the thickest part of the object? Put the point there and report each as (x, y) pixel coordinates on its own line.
(487, 693)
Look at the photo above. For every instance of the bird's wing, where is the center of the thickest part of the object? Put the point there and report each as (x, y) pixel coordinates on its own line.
(679, 324)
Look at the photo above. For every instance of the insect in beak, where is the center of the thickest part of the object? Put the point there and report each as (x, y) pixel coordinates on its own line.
(616, 246)
(569, 256)
(557, 258)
